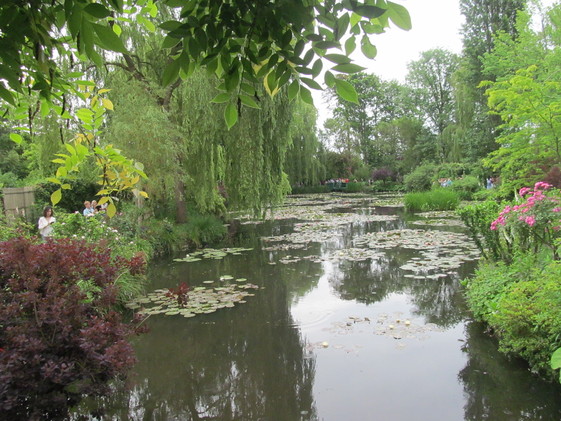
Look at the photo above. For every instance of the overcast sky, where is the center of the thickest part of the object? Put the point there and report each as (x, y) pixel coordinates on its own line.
(436, 24)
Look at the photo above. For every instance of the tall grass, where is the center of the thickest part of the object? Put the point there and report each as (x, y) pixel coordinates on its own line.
(434, 200)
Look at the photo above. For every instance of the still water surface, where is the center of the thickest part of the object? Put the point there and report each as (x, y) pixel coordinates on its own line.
(326, 339)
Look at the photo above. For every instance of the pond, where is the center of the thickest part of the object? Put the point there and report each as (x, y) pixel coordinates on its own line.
(353, 311)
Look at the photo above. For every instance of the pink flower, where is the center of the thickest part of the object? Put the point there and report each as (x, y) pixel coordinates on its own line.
(558, 209)
(523, 191)
(530, 220)
(542, 185)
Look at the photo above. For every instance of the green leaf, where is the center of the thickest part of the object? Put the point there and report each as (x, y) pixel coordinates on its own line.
(329, 79)
(367, 48)
(306, 95)
(117, 29)
(169, 42)
(109, 38)
(97, 10)
(16, 138)
(221, 98)
(350, 45)
(230, 115)
(338, 58)
(56, 196)
(293, 90)
(348, 68)
(556, 359)
(399, 15)
(6, 95)
(111, 210)
(324, 45)
(249, 101)
(316, 68)
(171, 72)
(346, 91)
(370, 12)
(311, 83)
(170, 25)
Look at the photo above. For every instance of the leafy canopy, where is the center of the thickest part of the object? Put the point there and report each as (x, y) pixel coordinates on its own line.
(278, 42)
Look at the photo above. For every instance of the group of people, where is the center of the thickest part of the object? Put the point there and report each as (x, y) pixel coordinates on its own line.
(91, 208)
(445, 182)
(45, 223)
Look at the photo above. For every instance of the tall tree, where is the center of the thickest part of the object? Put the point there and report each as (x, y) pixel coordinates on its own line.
(483, 20)
(355, 125)
(431, 77)
(527, 98)
(252, 47)
(304, 155)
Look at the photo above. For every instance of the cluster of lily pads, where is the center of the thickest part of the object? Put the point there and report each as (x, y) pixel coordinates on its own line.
(200, 300)
(210, 253)
(441, 251)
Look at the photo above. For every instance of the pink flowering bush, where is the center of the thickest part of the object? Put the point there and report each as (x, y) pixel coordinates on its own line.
(534, 223)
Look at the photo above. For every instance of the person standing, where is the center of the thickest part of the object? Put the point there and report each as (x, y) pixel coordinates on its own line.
(45, 223)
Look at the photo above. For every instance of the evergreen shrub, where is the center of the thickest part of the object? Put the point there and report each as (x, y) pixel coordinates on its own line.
(421, 178)
(466, 187)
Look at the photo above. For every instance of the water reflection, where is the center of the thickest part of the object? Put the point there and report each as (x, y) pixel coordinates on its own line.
(500, 389)
(265, 360)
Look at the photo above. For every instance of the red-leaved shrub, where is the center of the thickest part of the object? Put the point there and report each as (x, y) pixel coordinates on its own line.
(60, 338)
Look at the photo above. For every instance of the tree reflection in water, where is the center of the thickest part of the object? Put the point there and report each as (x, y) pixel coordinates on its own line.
(252, 362)
(248, 363)
(500, 389)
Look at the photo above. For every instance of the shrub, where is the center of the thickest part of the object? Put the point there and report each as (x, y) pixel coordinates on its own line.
(466, 187)
(60, 337)
(353, 187)
(205, 229)
(534, 223)
(440, 199)
(521, 302)
(478, 218)
(420, 179)
(383, 174)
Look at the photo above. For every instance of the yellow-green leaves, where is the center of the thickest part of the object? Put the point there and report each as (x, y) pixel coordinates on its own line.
(56, 196)
(556, 361)
(117, 173)
(16, 138)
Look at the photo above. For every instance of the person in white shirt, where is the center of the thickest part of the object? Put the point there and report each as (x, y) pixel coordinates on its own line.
(45, 223)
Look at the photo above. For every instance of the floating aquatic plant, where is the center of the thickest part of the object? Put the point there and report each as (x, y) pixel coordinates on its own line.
(198, 300)
(210, 253)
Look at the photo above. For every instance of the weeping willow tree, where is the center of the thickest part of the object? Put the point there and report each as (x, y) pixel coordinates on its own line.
(181, 137)
(304, 156)
(247, 160)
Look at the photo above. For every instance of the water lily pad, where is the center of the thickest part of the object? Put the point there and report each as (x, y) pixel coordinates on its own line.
(200, 300)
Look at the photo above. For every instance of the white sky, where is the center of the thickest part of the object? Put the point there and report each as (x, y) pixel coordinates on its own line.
(436, 24)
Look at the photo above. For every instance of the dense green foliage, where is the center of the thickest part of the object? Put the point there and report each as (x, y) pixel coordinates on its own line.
(421, 179)
(516, 289)
(521, 302)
